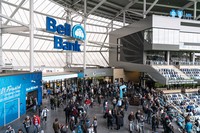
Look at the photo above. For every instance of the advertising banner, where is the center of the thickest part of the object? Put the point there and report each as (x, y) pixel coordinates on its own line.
(13, 90)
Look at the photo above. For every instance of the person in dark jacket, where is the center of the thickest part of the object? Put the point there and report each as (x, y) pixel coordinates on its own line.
(109, 120)
(118, 122)
(27, 124)
(137, 116)
(67, 114)
(131, 119)
(72, 124)
(153, 123)
(56, 126)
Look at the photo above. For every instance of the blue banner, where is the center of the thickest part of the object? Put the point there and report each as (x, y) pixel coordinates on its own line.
(13, 90)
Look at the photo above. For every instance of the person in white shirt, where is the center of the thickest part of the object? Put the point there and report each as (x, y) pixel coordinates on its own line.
(91, 129)
(44, 114)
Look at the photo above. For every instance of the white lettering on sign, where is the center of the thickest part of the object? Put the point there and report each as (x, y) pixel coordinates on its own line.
(31, 88)
(9, 92)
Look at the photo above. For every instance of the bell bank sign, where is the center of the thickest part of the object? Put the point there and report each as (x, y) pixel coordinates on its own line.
(77, 32)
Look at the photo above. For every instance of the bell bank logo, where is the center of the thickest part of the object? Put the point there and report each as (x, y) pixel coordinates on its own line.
(77, 33)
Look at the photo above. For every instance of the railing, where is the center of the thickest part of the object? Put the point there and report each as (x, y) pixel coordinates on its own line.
(152, 62)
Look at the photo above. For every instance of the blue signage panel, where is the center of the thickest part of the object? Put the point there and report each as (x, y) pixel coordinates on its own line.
(78, 32)
(13, 94)
(180, 14)
(173, 13)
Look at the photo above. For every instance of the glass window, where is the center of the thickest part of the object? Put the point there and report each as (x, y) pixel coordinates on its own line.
(171, 34)
(155, 36)
(166, 39)
(161, 36)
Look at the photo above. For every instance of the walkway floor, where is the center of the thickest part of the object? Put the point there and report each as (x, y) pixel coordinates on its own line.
(96, 110)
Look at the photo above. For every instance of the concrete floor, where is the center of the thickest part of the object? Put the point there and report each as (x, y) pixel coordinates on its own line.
(96, 110)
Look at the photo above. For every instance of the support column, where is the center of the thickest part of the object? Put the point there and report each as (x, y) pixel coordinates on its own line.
(31, 30)
(195, 9)
(193, 58)
(124, 18)
(168, 57)
(144, 9)
(144, 58)
(112, 26)
(85, 42)
(1, 58)
(69, 53)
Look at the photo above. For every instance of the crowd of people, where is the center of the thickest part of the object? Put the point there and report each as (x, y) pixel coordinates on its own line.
(76, 102)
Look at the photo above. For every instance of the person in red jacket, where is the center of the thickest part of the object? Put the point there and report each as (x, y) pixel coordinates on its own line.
(36, 123)
(87, 103)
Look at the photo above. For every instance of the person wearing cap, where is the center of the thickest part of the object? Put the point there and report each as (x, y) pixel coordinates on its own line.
(10, 130)
(27, 124)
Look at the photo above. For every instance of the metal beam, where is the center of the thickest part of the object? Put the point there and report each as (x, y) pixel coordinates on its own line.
(97, 6)
(186, 6)
(139, 10)
(46, 51)
(149, 9)
(198, 17)
(104, 58)
(26, 9)
(114, 5)
(31, 28)
(195, 0)
(133, 19)
(16, 9)
(75, 2)
(126, 8)
(11, 19)
(144, 8)
(70, 9)
(103, 7)
(195, 10)
(124, 18)
(50, 38)
(14, 29)
(1, 42)
(134, 12)
(85, 41)
(166, 6)
(121, 11)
